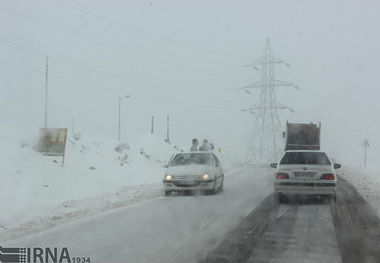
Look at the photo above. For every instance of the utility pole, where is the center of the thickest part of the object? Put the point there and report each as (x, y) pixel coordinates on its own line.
(152, 126)
(46, 90)
(366, 145)
(119, 118)
(265, 143)
(167, 129)
(120, 98)
(73, 130)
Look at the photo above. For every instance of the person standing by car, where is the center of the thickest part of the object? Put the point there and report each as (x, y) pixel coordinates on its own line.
(211, 147)
(204, 146)
(194, 146)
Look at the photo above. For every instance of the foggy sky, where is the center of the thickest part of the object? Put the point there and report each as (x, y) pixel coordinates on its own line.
(186, 59)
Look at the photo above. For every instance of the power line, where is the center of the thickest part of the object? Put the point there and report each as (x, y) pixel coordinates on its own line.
(99, 41)
(66, 61)
(180, 100)
(69, 62)
(112, 21)
(265, 143)
(113, 76)
(145, 32)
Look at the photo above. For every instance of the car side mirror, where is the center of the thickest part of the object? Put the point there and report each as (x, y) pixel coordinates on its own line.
(166, 166)
(273, 165)
(337, 165)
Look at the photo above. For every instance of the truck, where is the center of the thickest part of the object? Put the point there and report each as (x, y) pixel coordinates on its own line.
(302, 136)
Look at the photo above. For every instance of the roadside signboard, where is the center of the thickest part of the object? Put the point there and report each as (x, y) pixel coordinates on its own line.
(52, 142)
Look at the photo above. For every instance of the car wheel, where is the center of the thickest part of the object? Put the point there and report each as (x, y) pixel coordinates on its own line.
(221, 183)
(281, 198)
(212, 191)
(167, 193)
(332, 198)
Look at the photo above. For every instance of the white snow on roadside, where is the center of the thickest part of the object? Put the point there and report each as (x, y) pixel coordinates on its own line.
(95, 177)
(37, 192)
(366, 181)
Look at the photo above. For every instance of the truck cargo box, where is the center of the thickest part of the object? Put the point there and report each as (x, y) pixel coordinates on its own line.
(302, 136)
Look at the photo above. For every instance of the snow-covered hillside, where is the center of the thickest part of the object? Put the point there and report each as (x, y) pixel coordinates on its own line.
(98, 174)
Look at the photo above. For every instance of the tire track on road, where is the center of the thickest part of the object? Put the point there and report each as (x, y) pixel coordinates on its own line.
(238, 244)
(347, 230)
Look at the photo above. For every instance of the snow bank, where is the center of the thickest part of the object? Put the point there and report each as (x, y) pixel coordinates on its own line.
(98, 174)
(366, 181)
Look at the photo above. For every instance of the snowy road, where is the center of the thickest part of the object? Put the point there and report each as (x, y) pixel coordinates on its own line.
(243, 223)
(165, 229)
(308, 230)
(293, 232)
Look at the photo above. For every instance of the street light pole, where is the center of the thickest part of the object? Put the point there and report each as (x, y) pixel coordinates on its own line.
(125, 97)
(167, 129)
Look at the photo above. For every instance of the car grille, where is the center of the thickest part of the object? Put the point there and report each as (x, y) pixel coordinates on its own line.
(187, 177)
(186, 183)
(186, 180)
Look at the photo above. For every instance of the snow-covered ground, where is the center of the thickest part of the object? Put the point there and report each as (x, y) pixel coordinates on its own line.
(99, 174)
(37, 191)
(366, 181)
(179, 228)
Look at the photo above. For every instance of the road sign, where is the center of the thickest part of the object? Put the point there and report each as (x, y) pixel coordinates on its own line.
(52, 142)
(366, 143)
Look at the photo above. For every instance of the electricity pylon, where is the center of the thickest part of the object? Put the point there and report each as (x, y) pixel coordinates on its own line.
(266, 139)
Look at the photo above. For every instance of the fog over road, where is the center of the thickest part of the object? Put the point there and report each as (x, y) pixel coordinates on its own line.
(243, 223)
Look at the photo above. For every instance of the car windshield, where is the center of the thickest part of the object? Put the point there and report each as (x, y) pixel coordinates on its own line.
(191, 158)
(318, 158)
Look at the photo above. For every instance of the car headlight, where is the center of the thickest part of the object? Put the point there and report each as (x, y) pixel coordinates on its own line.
(205, 176)
(168, 177)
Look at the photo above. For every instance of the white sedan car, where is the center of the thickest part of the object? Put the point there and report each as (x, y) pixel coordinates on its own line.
(305, 173)
(194, 171)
